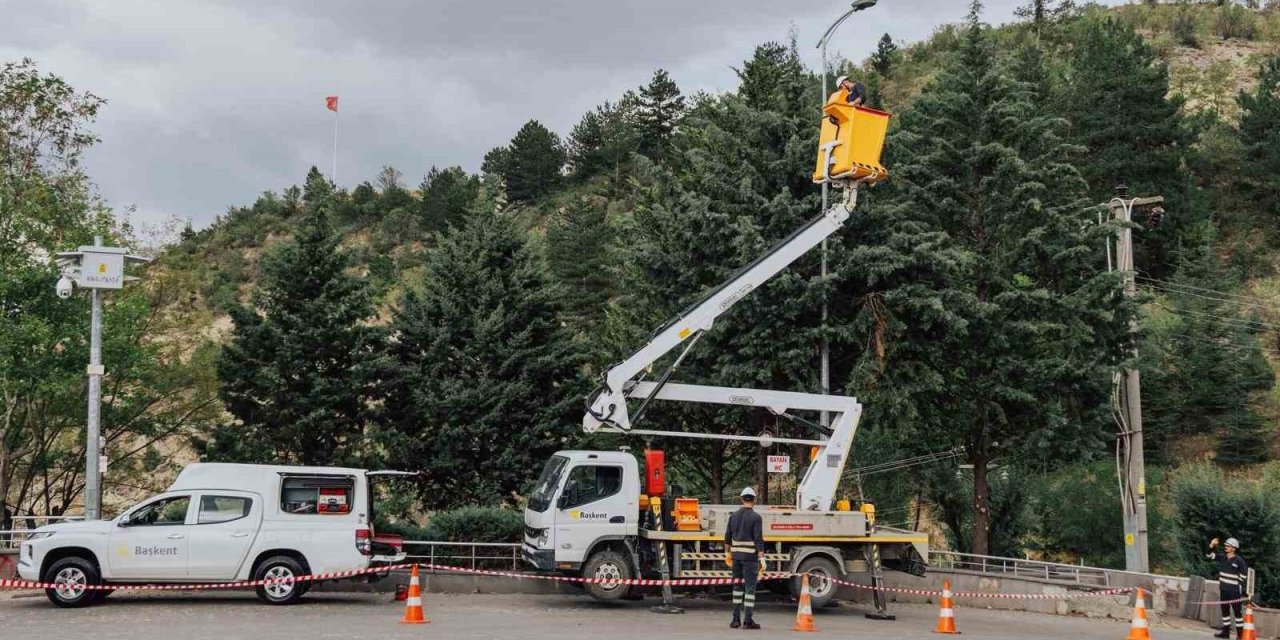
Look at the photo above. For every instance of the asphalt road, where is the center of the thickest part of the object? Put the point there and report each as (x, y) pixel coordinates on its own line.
(219, 616)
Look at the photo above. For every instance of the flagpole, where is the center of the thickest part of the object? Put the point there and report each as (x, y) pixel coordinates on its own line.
(335, 148)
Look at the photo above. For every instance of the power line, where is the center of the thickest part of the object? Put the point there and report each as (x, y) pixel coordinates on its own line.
(1227, 294)
(1225, 344)
(1260, 305)
(1252, 324)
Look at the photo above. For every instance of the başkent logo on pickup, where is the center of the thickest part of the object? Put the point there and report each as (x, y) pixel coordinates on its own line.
(151, 552)
(791, 526)
(588, 515)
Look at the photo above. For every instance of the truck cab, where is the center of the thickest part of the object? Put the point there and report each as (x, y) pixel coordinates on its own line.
(216, 523)
(584, 501)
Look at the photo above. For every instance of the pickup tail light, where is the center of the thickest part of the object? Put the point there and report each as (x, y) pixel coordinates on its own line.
(364, 541)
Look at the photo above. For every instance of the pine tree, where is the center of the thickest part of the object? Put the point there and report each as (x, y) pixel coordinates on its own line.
(659, 109)
(774, 78)
(583, 259)
(447, 195)
(533, 165)
(1260, 135)
(1128, 130)
(998, 331)
(317, 188)
(299, 373)
(486, 384)
(603, 141)
(884, 57)
(1205, 363)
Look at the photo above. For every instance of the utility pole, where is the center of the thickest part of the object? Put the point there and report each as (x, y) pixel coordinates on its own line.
(1133, 482)
(94, 268)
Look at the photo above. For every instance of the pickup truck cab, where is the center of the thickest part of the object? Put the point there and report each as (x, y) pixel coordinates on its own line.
(216, 523)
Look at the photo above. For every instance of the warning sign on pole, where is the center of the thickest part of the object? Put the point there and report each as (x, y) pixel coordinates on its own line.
(779, 464)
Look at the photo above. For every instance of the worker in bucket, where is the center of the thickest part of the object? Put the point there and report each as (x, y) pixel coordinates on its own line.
(1233, 573)
(744, 551)
(857, 92)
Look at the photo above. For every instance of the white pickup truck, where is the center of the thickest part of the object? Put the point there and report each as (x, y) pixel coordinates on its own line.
(217, 523)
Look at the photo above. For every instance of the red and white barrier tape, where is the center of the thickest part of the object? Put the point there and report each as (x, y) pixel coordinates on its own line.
(640, 582)
(1001, 596)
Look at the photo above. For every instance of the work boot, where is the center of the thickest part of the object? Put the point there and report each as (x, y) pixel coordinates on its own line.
(1224, 633)
(750, 624)
(735, 623)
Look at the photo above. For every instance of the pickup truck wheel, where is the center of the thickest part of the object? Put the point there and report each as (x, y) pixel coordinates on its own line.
(821, 569)
(279, 568)
(73, 575)
(607, 565)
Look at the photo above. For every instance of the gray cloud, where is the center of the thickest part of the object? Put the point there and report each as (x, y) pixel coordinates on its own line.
(210, 103)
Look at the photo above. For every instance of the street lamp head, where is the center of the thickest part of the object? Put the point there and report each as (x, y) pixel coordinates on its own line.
(859, 5)
(64, 287)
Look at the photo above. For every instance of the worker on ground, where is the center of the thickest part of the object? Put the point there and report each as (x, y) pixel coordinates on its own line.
(1233, 573)
(857, 92)
(744, 551)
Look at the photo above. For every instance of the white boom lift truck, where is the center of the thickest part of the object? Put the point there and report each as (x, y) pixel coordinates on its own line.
(590, 514)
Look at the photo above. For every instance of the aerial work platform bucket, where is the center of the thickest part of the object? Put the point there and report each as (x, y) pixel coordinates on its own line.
(850, 143)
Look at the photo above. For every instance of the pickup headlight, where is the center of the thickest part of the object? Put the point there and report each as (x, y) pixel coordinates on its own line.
(39, 534)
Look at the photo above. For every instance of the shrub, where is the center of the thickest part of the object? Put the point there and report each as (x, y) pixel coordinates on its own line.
(1234, 21)
(465, 524)
(1208, 504)
(1183, 28)
(1076, 515)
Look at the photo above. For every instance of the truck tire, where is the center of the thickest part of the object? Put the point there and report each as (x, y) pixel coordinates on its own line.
(821, 569)
(607, 564)
(76, 573)
(275, 568)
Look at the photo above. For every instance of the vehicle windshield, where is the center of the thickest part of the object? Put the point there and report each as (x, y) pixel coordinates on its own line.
(548, 482)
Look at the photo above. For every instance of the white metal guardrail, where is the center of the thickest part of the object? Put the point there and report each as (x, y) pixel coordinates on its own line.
(11, 539)
(473, 555)
(1015, 567)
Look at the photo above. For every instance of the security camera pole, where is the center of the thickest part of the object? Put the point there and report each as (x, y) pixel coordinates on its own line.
(1133, 498)
(94, 268)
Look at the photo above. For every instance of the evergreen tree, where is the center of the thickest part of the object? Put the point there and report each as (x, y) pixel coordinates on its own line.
(1202, 364)
(774, 78)
(1128, 130)
(583, 259)
(602, 142)
(299, 373)
(659, 109)
(1260, 135)
(496, 161)
(532, 167)
(885, 55)
(486, 384)
(317, 188)
(999, 333)
(447, 195)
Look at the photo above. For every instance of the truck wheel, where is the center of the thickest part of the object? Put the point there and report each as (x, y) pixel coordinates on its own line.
(821, 569)
(607, 565)
(74, 575)
(278, 568)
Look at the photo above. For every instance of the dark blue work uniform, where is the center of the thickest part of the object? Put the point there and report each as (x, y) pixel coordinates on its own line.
(744, 537)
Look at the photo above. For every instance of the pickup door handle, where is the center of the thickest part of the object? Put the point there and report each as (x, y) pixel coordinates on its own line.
(240, 534)
(176, 536)
(617, 520)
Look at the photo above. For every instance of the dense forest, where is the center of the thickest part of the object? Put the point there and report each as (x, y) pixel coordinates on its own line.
(455, 326)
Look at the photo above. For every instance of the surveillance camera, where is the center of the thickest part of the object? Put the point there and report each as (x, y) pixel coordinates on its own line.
(64, 287)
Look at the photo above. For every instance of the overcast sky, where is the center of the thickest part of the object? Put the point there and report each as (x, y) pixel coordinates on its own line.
(211, 103)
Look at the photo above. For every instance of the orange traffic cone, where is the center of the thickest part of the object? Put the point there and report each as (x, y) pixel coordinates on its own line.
(1247, 632)
(804, 614)
(947, 612)
(413, 603)
(1138, 629)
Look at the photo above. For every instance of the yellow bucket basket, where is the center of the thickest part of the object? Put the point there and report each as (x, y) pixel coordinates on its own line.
(851, 141)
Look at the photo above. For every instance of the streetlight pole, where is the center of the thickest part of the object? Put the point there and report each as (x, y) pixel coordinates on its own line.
(858, 5)
(1133, 498)
(95, 268)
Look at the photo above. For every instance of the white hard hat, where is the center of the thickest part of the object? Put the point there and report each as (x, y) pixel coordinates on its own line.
(840, 80)
(748, 492)
(1233, 543)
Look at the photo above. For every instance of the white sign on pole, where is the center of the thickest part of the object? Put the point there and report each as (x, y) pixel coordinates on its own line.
(779, 464)
(101, 270)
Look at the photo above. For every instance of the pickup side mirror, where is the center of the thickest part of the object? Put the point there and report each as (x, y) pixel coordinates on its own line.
(123, 521)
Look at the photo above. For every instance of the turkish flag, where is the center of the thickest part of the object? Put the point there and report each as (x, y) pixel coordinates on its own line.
(331, 102)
